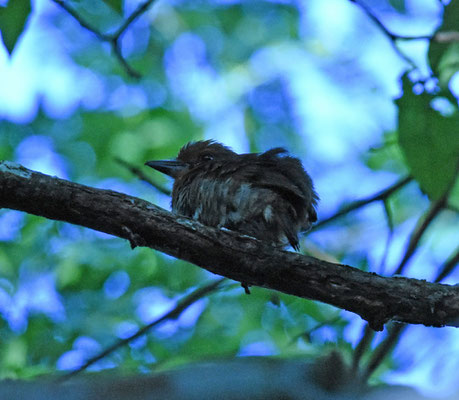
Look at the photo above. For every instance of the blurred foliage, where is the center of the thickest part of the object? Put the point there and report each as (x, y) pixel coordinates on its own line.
(67, 292)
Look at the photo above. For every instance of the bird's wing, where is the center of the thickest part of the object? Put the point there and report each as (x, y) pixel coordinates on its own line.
(285, 176)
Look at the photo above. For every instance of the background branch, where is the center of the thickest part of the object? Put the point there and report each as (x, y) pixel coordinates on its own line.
(390, 341)
(448, 267)
(142, 176)
(142, 8)
(183, 304)
(386, 346)
(113, 39)
(391, 36)
(380, 196)
(242, 258)
(380, 353)
(86, 25)
(422, 226)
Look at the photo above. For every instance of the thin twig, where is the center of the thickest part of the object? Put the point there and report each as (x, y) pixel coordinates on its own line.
(140, 174)
(135, 14)
(113, 39)
(391, 36)
(172, 314)
(381, 26)
(382, 195)
(82, 22)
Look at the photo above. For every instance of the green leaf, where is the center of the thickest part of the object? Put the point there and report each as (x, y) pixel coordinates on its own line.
(444, 54)
(116, 5)
(428, 139)
(13, 20)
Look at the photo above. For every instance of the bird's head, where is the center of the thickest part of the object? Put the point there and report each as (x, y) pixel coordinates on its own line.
(193, 155)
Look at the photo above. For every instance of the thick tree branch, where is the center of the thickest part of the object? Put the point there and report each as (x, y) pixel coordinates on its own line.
(375, 298)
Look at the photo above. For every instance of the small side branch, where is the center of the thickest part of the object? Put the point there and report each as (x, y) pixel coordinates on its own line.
(380, 196)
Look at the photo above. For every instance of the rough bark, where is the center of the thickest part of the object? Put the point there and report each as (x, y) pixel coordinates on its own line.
(375, 298)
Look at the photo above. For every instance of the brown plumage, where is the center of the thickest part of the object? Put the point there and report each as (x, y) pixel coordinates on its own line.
(265, 195)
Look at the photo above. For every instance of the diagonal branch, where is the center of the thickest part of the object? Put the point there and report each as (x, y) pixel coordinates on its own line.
(391, 340)
(380, 353)
(375, 298)
(86, 25)
(193, 297)
(424, 223)
(380, 196)
(135, 14)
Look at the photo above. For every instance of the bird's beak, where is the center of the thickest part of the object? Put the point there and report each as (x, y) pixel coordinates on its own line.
(172, 168)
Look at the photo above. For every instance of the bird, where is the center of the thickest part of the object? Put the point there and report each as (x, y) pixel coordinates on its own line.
(268, 196)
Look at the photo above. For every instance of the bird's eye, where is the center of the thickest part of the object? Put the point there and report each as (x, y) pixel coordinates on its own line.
(207, 157)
